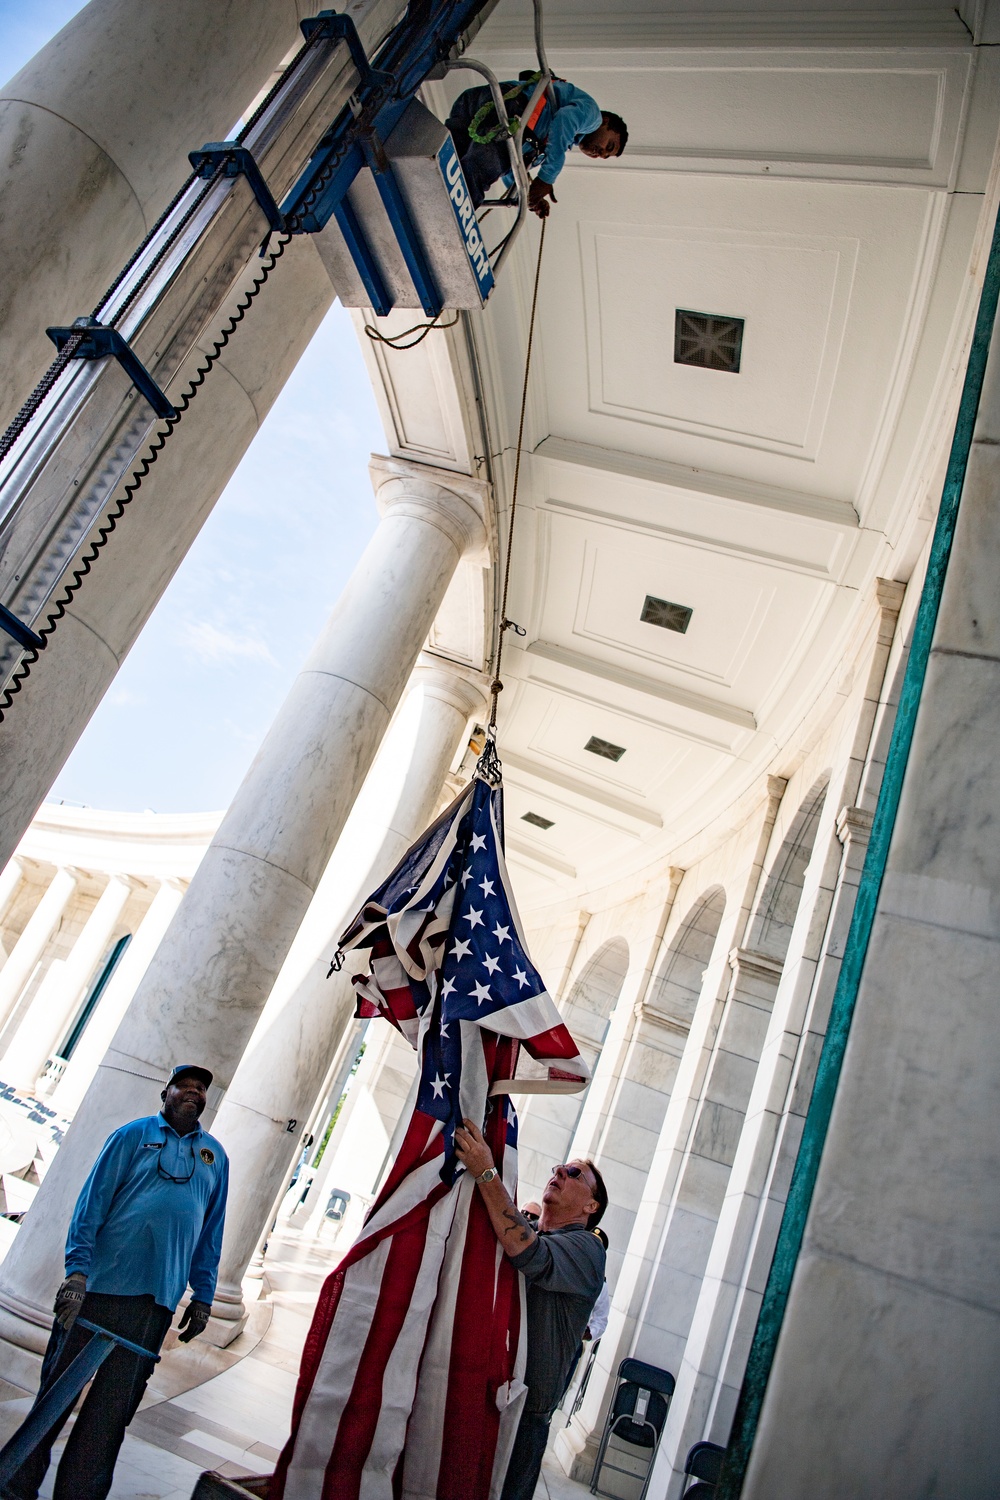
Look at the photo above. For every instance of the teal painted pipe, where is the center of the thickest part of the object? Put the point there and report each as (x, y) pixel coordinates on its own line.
(817, 1122)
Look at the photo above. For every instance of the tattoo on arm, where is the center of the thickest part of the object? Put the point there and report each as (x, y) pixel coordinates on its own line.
(517, 1221)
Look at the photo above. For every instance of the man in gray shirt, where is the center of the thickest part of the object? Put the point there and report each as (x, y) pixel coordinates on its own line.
(563, 1263)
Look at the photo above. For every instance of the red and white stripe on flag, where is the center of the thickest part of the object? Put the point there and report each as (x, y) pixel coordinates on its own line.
(411, 1383)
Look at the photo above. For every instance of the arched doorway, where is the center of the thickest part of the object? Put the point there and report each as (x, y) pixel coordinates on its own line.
(631, 1130)
(548, 1121)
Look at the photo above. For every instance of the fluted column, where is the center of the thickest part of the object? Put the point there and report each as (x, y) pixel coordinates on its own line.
(279, 1078)
(113, 1004)
(48, 1015)
(30, 945)
(206, 986)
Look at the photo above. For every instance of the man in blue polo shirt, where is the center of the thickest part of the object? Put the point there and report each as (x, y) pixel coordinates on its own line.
(571, 118)
(147, 1224)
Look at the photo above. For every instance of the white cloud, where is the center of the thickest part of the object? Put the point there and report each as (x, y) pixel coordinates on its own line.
(212, 643)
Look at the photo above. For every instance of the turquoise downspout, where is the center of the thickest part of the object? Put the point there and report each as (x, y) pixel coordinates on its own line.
(817, 1121)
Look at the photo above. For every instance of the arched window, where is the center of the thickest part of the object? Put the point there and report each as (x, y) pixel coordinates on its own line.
(549, 1121)
(675, 990)
(771, 928)
(93, 997)
(591, 1000)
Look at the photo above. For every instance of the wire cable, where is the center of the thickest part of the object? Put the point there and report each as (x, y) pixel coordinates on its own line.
(420, 329)
(496, 686)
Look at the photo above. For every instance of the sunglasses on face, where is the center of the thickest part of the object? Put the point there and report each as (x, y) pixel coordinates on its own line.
(570, 1171)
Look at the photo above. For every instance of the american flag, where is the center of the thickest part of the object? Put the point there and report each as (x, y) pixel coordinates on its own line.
(411, 1383)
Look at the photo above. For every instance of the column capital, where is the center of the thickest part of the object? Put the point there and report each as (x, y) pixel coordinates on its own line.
(462, 686)
(760, 965)
(854, 825)
(455, 503)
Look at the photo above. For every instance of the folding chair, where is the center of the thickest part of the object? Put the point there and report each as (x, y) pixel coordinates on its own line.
(636, 1417)
(704, 1463)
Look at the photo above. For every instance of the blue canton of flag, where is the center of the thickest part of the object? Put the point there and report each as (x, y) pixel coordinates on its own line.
(449, 963)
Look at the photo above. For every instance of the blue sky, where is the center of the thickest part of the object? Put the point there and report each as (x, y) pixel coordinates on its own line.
(180, 724)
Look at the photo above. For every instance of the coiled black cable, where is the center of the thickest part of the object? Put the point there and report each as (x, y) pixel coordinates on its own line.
(131, 489)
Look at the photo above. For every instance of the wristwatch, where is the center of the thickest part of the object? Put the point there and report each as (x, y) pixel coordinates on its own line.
(488, 1175)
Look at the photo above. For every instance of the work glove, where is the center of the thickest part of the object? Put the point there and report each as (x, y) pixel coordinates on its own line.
(69, 1300)
(194, 1321)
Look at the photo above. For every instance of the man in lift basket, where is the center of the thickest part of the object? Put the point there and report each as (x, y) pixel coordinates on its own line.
(148, 1222)
(576, 120)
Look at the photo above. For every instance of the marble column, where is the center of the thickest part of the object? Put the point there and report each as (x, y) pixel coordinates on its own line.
(10, 883)
(94, 136)
(31, 944)
(576, 1444)
(200, 66)
(105, 617)
(279, 1078)
(710, 1374)
(309, 1212)
(885, 1374)
(104, 1022)
(707, 1161)
(44, 1022)
(203, 993)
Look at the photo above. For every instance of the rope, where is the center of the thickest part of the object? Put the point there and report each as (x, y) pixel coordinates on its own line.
(496, 686)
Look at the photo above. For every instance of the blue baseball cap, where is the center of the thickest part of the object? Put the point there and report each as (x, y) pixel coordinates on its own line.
(194, 1069)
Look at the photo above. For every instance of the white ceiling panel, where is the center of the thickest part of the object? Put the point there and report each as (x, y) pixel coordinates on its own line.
(791, 291)
(748, 618)
(830, 278)
(553, 728)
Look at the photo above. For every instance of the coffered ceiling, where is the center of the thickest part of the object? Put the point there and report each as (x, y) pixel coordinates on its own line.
(822, 176)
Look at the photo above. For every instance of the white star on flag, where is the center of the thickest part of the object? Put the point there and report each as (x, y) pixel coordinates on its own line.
(468, 1036)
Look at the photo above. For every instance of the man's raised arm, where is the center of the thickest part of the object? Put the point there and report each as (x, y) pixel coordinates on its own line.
(512, 1228)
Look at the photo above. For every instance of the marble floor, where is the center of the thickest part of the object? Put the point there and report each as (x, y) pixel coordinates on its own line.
(229, 1409)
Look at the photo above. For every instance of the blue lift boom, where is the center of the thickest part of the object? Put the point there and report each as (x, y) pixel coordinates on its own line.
(340, 149)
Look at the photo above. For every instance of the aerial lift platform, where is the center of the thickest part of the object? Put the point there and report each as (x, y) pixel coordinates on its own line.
(341, 149)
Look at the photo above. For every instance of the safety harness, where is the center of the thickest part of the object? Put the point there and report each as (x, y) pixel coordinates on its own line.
(515, 100)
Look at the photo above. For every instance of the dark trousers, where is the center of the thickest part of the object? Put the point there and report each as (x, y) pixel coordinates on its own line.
(482, 165)
(88, 1462)
(526, 1459)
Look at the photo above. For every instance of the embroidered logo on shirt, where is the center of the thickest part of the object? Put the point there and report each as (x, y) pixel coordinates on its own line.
(207, 1156)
